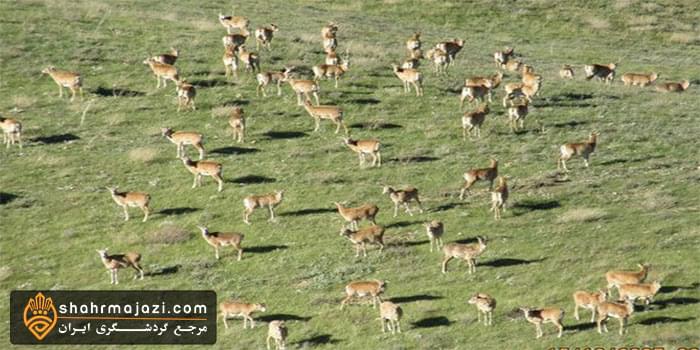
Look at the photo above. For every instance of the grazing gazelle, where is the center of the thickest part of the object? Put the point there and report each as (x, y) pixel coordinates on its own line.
(620, 310)
(640, 79)
(131, 199)
(403, 197)
(237, 308)
(237, 123)
(673, 87)
(204, 168)
(583, 149)
(162, 72)
(465, 251)
(364, 147)
(373, 234)
(185, 94)
(270, 200)
(373, 288)
(183, 138)
(332, 113)
(484, 304)
(71, 80)
(263, 36)
(264, 79)
(435, 230)
(222, 239)
(408, 77)
(488, 174)
(353, 215)
(304, 87)
(390, 314)
(114, 262)
(277, 331)
(545, 315)
(11, 131)
(499, 198)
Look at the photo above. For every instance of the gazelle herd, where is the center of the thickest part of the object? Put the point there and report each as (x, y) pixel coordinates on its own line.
(518, 101)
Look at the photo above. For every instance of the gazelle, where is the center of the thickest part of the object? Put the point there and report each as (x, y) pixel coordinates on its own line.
(373, 234)
(230, 61)
(403, 197)
(517, 114)
(435, 230)
(373, 288)
(235, 40)
(353, 215)
(233, 22)
(204, 168)
(639, 79)
(491, 82)
(250, 59)
(364, 147)
(488, 174)
(328, 34)
(270, 200)
(616, 278)
(413, 43)
(409, 77)
(131, 199)
(545, 315)
(62, 78)
(474, 93)
(304, 87)
(334, 71)
(264, 79)
(183, 138)
(277, 331)
(566, 72)
(185, 95)
(332, 113)
(223, 239)
(439, 58)
(485, 304)
(114, 262)
(634, 291)
(521, 90)
(162, 72)
(263, 36)
(413, 61)
(11, 131)
(390, 314)
(583, 149)
(501, 57)
(467, 252)
(237, 123)
(451, 48)
(237, 308)
(168, 58)
(673, 87)
(472, 121)
(331, 57)
(590, 301)
(605, 72)
(499, 198)
(620, 310)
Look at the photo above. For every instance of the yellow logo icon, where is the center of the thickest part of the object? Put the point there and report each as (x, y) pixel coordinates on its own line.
(40, 316)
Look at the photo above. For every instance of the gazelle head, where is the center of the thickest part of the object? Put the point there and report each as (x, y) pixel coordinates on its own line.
(261, 307)
(166, 131)
(494, 163)
(175, 52)
(274, 27)
(204, 230)
(279, 194)
(102, 252)
(48, 70)
(386, 189)
(112, 189)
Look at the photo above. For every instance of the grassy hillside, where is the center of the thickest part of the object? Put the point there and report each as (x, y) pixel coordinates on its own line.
(638, 202)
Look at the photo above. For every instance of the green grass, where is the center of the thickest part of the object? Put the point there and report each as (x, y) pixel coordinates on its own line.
(636, 203)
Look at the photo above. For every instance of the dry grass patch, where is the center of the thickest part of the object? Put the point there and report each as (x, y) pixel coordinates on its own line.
(582, 215)
(167, 233)
(143, 154)
(684, 38)
(221, 112)
(656, 200)
(620, 4)
(598, 23)
(23, 102)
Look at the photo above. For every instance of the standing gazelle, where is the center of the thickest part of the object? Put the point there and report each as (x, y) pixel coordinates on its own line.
(71, 80)
(364, 147)
(484, 304)
(408, 77)
(11, 131)
(114, 262)
(304, 87)
(332, 113)
(183, 138)
(488, 174)
(583, 149)
(403, 197)
(435, 230)
(222, 239)
(499, 197)
(545, 315)
(270, 200)
(204, 168)
(162, 72)
(264, 79)
(237, 123)
(131, 199)
(185, 94)
(390, 314)
(263, 36)
(468, 252)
